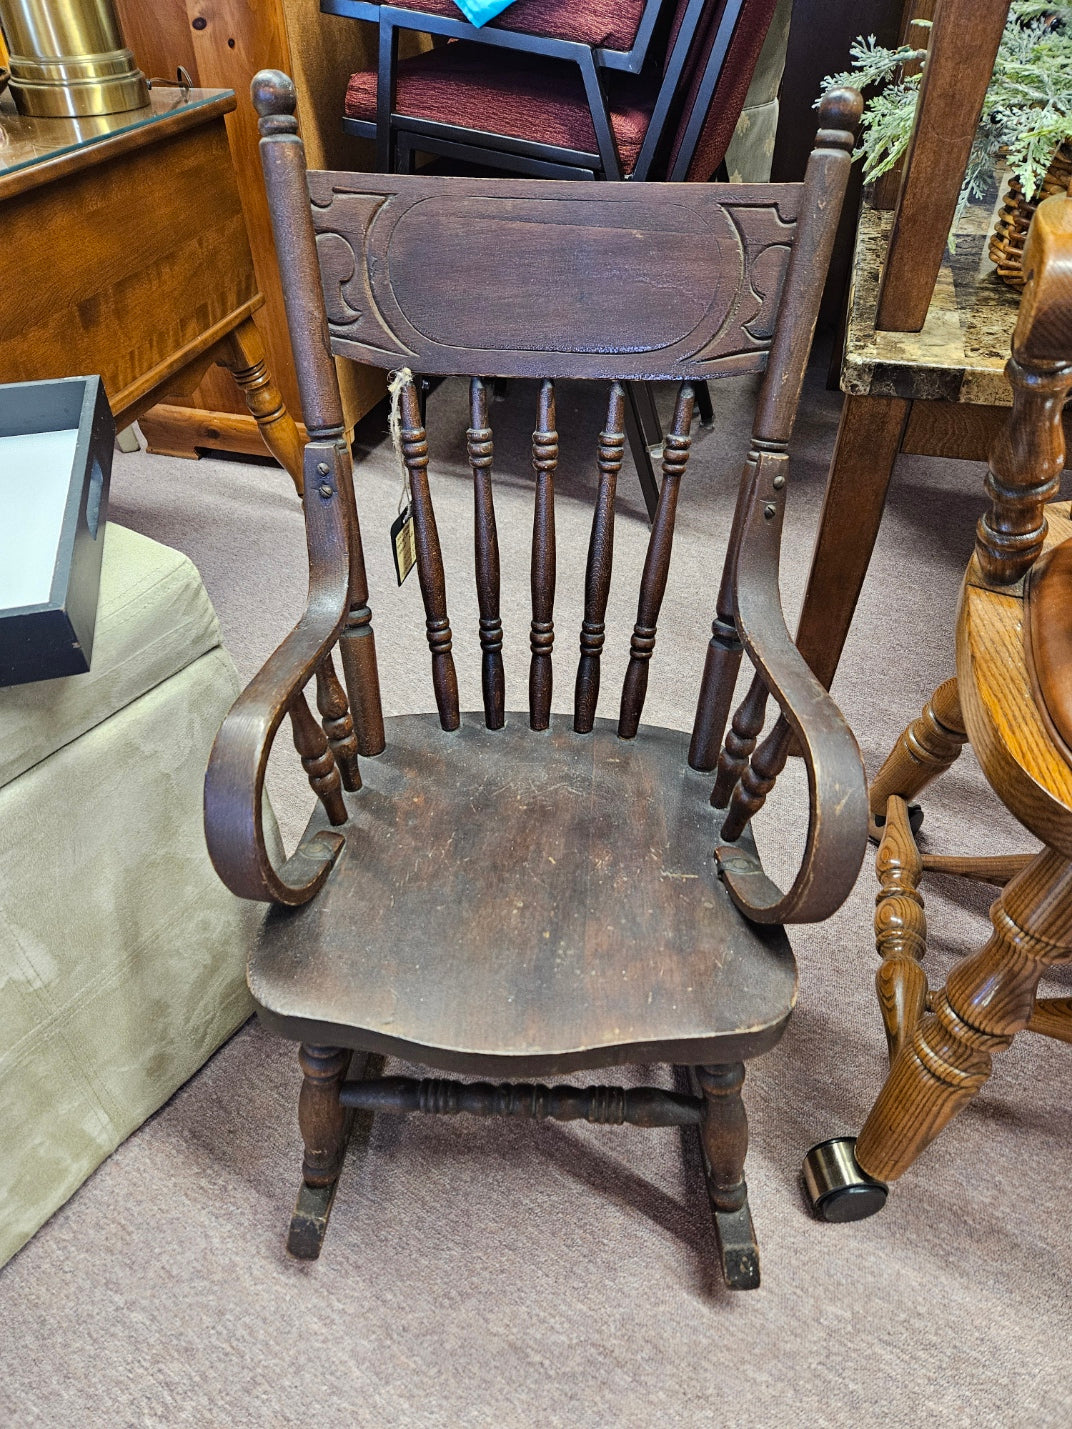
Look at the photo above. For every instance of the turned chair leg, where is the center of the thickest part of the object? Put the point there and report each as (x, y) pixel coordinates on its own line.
(926, 749)
(900, 927)
(987, 999)
(325, 1127)
(724, 1139)
(245, 359)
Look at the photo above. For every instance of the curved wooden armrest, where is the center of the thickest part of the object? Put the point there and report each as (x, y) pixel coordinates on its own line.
(837, 785)
(234, 783)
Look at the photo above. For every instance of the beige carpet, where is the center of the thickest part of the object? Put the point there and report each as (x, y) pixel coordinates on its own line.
(496, 1275)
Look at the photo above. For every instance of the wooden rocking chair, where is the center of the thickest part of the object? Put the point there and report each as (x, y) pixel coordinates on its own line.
(521, 895)
(1012, 700)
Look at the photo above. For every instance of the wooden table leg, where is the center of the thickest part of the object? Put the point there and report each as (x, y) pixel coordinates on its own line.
(242, 353)
(868, 440)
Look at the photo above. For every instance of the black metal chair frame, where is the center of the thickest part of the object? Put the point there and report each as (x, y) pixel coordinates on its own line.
(525, 156)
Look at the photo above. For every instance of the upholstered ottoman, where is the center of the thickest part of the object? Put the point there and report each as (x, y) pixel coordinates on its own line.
(122, 956)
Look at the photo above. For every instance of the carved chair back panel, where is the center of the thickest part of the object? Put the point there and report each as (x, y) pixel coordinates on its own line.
(519, 278)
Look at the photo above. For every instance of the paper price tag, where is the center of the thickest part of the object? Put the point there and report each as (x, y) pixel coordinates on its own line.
(403, 543)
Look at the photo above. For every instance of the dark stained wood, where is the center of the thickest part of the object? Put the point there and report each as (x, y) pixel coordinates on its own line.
(542, 632)
(960, 61)
(558, 943)
(676, 447)
(603, 1106)
(653, 306)
(478, 441)
(740, 742)
(317, 759)
(758, 779)
(429, 557)
(724, 1140)
(502, 903)
(868, 440)
(321, 1116)
(600, 561)
(338, 726)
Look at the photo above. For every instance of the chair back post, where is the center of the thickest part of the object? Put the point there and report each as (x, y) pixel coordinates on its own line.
(327, 453)
(824, 190)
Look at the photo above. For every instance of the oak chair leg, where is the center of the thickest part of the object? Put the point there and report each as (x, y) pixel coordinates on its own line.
(244, 357)
(724, 1139)
(926, 749)
(900, 927)
(325, 1124)
(987, 999)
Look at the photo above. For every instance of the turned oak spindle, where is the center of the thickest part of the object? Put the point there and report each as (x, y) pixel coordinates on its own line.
(478, 443)
(338, 726)
(429, 557)
(600, 560)
(317, 759)
(542, 637)
(676, 447)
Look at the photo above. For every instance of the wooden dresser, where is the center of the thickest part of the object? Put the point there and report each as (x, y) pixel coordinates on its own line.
(223, 43)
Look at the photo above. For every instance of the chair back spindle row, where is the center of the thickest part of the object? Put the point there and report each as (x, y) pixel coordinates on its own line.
(542, 636)
(600, 560)
(676, 449)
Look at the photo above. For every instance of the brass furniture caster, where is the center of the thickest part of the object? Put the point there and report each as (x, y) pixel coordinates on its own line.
(838, 1190)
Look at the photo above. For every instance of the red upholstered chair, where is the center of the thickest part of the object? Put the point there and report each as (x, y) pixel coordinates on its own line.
(554, 113)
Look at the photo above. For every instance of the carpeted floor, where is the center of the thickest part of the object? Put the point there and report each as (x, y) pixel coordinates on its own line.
(503, 1275)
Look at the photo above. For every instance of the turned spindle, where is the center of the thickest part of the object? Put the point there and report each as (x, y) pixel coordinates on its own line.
(429, 557)
(542, 635)
(317, 759)
(758, 779)
(676, 446)
(338, 726)
(900, 927)
(478, 443)
(600, 560)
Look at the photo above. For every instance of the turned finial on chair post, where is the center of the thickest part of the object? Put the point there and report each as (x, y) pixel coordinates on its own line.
(1028, 457)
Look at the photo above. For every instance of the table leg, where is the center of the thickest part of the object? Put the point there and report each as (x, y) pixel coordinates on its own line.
(242, 353)
(868, 440)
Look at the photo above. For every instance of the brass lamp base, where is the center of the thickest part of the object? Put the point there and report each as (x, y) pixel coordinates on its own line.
(68, 59)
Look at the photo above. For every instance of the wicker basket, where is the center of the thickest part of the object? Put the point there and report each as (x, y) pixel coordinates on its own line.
(1010, 231)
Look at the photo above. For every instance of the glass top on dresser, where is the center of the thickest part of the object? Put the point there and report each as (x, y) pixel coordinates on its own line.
(25, 141)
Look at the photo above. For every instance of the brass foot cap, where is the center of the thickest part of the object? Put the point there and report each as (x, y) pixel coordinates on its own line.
(837, 1189)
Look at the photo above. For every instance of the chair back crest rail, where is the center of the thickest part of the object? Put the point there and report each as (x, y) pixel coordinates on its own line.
(514, 278)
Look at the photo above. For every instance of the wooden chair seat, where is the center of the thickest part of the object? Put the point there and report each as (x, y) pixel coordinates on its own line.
(1005, 719)
(560, 941)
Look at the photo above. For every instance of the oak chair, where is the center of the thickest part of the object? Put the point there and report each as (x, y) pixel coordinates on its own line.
(515, 895)
(1011, 699)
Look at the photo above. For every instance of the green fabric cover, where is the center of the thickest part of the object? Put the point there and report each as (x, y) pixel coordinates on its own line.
(748, 158)
(122, 956)
(153, 618)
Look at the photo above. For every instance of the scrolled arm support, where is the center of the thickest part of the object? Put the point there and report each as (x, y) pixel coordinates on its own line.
(837, 787)
(234, 784)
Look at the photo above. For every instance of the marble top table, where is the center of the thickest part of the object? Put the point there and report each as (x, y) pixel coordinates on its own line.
(960, 354)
